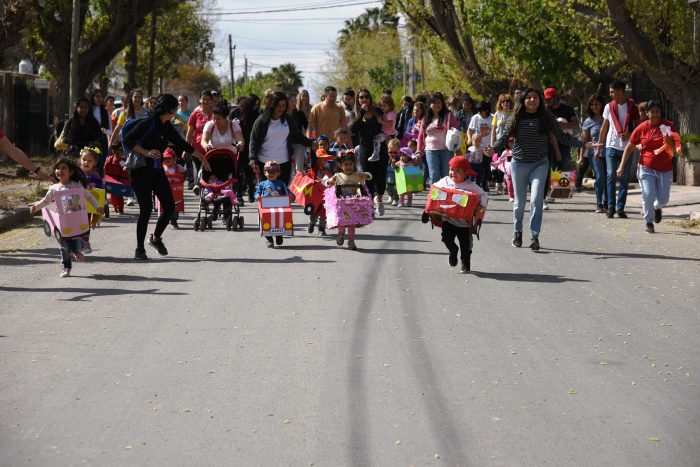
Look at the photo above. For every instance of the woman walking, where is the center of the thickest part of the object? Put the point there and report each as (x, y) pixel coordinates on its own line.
(591, 131)
(149, 138)
(655, 170)
(431, 140)
(531, 127)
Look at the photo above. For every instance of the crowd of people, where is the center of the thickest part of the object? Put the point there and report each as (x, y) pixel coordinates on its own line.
(509, 152)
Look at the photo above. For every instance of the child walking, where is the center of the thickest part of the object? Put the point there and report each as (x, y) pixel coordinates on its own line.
(407, 159)
(272, 187)
(114, 167)
(349, 180)
(451, 228)
(387, 120)
(393, 147)
(319, 172)
(88, 161)
(69, 177)
(170, 166)
(502, 165)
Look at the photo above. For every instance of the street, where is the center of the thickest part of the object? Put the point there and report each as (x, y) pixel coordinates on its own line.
(229, 353)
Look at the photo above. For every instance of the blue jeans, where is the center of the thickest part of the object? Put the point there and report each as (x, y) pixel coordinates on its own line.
(601, 177)
(479, 169)
(656, 190)
(68, 246)
(535, 175)
(438, 164)
(613, 157)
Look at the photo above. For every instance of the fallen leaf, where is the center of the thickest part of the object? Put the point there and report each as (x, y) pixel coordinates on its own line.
(572, 391)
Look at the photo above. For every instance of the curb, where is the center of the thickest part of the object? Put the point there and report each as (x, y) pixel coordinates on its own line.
(11, 219)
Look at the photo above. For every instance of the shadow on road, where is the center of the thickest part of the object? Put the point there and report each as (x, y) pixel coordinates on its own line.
(86, 294)
(600, 255)
(524, 277)
(125, 278)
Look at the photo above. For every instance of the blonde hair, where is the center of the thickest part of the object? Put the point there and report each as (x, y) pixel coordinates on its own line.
(503, 98)
(393, 143)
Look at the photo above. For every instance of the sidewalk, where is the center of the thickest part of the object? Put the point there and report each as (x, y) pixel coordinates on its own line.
(684, 200)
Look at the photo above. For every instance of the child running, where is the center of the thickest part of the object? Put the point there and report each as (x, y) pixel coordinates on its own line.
(88, 161)
(387, 120)
(272, 187)
(393, 147)
(451, 228)
(349, 181)
(170, 166)
(69, 177)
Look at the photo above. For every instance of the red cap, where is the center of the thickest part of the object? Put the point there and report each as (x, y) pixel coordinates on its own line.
(549, 93)
(462, 162)
(169, 154)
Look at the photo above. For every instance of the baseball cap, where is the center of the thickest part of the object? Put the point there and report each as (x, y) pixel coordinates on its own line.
(461, 162)
(550, 93)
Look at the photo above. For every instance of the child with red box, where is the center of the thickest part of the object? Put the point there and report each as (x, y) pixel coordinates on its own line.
(460, 228)
(272, 187)
(318, 172)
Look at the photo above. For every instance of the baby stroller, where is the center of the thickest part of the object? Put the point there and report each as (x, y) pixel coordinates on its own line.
(224, 164)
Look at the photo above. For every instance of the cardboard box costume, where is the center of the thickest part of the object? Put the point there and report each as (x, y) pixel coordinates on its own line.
(562, 184)
(408, 180)
(347, 210)
(70, 217)
(275, 216)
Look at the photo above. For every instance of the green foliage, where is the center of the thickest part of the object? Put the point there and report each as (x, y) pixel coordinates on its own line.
(690, 138)
(194, 79)
(284, 77)
(181, 37)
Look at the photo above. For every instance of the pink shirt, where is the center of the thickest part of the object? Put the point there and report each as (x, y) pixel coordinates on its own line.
(432, 138)
(388, 128)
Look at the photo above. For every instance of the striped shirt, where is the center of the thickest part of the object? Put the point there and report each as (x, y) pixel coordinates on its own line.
(530, 145)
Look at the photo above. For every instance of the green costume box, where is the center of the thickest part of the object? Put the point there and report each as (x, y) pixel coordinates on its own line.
(408, 180)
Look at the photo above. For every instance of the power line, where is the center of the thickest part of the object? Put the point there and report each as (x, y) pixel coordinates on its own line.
(283, 10)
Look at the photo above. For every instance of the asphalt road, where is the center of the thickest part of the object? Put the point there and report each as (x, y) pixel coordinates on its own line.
(229, 353)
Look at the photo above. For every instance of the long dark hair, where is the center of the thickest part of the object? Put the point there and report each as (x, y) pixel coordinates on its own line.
(591, 100)
(371, 104)
(542, 113)
(165, 103)
(249, 108)
(131, 112)
(77, 174)
(104, 117)
(277, 97)
(78, 101)
(428, 117)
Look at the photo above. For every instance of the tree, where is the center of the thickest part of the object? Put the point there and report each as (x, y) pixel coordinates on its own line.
(181, 37)
(106, 28)
(15, 17)
(285, 78)
(191, 78)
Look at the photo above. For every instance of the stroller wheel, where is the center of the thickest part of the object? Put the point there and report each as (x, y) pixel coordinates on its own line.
(196, 225)
(234, 222)
(228, 224)
(210, 222)
(240, 222)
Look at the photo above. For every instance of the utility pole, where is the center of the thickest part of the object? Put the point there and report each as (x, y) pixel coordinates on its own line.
(74, 39)
(231, 55)
(404, 69)
(412, 71)
(245, 69)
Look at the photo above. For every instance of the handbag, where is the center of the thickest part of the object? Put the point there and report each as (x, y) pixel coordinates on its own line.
(453, 139)
(135, 161)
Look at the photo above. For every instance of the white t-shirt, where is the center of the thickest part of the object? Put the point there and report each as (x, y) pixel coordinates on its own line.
(482, 126)
(613, 140)
(221, 140)
(274, 147)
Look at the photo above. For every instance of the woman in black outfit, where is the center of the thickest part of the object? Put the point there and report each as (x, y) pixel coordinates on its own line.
(81, 129)
(366, 126)
(150, 137)
(246, 113)
(97, 100)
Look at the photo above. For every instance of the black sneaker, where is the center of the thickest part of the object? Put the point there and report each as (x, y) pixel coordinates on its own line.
(465, 267)
(605, 206)
(610, 214)
(425, 218)
(649, 228)
(310, 228)
(270, 242)
(279, 240)
(251, 198)
(453, 257)
(174, 224)
(321, 232)
(621, 214)
(534, 244)
(140, 253)
(157, 243)
(517, 239)
(657, 215)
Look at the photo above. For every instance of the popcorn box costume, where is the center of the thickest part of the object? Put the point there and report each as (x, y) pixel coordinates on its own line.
(562, 184)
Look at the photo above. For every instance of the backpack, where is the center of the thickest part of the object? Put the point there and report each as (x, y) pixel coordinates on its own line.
(127, 128)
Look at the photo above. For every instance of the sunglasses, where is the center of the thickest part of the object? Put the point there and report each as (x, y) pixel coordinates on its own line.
(271, 171)
(363, 97)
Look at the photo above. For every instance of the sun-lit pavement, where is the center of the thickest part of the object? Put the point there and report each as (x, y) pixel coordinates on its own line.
(229, 353)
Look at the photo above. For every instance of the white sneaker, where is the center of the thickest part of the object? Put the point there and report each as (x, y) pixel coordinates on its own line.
(545, 206)
(373, 158)
(550, 200)
(394, 203)
(130, 201)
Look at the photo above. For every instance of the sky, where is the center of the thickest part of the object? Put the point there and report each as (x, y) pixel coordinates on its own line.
(302, 34)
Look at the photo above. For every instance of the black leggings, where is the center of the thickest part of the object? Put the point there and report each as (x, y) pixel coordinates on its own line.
(463, 234)
(145, 181)
(378, 169)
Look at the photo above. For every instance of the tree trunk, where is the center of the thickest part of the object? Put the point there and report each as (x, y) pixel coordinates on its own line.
(152, 51)
(687, 103)
(131, 59)
(63, 91)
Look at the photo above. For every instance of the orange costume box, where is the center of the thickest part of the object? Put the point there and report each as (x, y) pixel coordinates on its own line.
(177, 186)
(308, 194)
(275, 216)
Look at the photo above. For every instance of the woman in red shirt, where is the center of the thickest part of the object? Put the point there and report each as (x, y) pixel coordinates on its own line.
(198, 118)
(655, 171)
